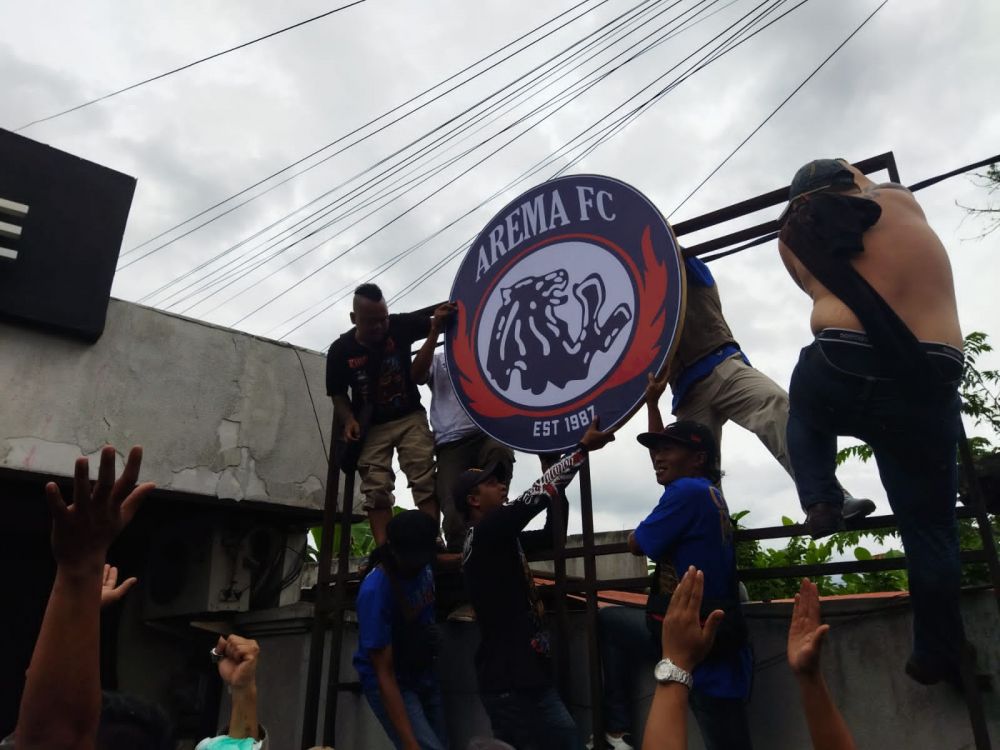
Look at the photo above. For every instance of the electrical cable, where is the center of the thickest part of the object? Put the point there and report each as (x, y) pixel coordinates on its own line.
(354, 132)
(705, 60)
(427, 197)
(312, 402)
(760, 240)
(458, 129)
(186, 66)
(777, 109)
(240, 273)
(623, 119)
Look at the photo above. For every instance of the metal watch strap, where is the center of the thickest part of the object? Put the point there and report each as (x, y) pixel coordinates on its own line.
(666, 671)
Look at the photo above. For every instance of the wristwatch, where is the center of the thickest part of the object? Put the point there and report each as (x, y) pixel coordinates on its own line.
(666, 671)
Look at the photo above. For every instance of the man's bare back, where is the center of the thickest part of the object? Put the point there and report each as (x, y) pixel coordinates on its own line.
(904, 260)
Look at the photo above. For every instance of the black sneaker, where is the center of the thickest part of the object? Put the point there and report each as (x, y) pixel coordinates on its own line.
(856, 507)
(927, 674)
(823, 519)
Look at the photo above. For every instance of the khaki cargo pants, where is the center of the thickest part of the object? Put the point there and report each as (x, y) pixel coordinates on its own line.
(411, 438)
(736, 391)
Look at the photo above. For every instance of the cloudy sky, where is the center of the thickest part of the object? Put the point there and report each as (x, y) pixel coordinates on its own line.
(915, 80)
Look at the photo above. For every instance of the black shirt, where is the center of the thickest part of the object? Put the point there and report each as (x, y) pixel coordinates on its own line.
(390, 391)
(513, 650)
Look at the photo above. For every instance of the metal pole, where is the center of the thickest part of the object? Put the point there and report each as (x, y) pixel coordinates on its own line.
(973, 698)
(562, 619)
(320, 608)
(590, 579)
(978, 505)
(339, 607)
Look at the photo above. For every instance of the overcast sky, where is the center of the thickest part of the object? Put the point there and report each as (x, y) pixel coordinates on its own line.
(916, 80)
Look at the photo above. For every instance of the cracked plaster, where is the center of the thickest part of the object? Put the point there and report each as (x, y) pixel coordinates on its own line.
(219, 413)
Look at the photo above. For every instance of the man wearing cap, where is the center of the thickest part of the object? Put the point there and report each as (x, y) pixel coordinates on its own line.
(713, 382)
(690, 525)
(397, 636)
(884, 367)
(512, 665)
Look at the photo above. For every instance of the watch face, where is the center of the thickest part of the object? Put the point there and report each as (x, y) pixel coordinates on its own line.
(666, 671)
(663, 670)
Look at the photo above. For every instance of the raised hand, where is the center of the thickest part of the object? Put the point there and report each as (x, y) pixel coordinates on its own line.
(655, 387)
(685, 640)
(806, 634)
(594, 439)
(442, 315)
(83, 531)
(238, 661)
(111, 590)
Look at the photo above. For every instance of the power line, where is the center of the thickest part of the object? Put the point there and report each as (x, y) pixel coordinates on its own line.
(695, 68)
(616, 127)
(214, 55)
(775, 111)
(599, 138)
(459, 129)
(427, 197)
(485, 117)
(357, 130)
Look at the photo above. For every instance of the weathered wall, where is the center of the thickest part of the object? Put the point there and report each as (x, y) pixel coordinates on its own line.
(863, 663)
(220, 413)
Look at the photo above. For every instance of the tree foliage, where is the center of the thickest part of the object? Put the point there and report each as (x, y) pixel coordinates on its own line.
(990, 213)
(980, 391)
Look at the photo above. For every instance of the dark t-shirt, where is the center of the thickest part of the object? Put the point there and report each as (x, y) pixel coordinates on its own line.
(513, 651)
(391, 392)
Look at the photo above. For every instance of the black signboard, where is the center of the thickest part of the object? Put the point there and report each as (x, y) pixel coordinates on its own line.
(61, 224)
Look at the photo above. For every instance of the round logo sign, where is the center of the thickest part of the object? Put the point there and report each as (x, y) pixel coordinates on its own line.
(566, 300)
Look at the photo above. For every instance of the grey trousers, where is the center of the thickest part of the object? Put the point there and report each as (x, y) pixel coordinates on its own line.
(736, 391)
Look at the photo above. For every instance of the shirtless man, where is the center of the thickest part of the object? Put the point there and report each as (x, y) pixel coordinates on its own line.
(884, 367)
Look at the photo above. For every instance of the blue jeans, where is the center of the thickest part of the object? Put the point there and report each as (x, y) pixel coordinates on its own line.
(840, 388)
(424, 709)
(531, 719)
(628, 648)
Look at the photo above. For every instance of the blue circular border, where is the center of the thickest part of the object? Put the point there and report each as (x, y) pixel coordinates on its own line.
(522, 429)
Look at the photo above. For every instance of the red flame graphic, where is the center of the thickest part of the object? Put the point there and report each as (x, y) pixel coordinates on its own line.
(637, 360)
(482, 399)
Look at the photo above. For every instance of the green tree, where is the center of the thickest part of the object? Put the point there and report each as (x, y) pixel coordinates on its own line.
(981, 401)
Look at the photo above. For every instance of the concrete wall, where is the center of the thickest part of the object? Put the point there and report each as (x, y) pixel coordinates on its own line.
(863, 664)
(220, 413)
(609, 567)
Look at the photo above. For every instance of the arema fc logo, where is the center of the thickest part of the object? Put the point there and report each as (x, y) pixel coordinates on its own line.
(571, 294)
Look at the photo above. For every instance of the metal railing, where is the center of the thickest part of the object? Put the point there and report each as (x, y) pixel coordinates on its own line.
(331, 593)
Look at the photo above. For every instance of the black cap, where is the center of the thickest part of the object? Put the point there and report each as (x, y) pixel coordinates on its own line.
(412, 537)
(693, 435)
(814, 177)
(471, 478)
(820, 174)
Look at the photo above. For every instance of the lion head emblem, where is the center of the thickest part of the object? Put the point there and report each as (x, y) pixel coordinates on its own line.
(528, 336)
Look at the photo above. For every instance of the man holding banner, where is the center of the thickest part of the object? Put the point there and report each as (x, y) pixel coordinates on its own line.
(713, 382)
(383, 414)
(512, 662)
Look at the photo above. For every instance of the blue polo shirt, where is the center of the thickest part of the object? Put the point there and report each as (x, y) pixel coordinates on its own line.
(690, 525)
